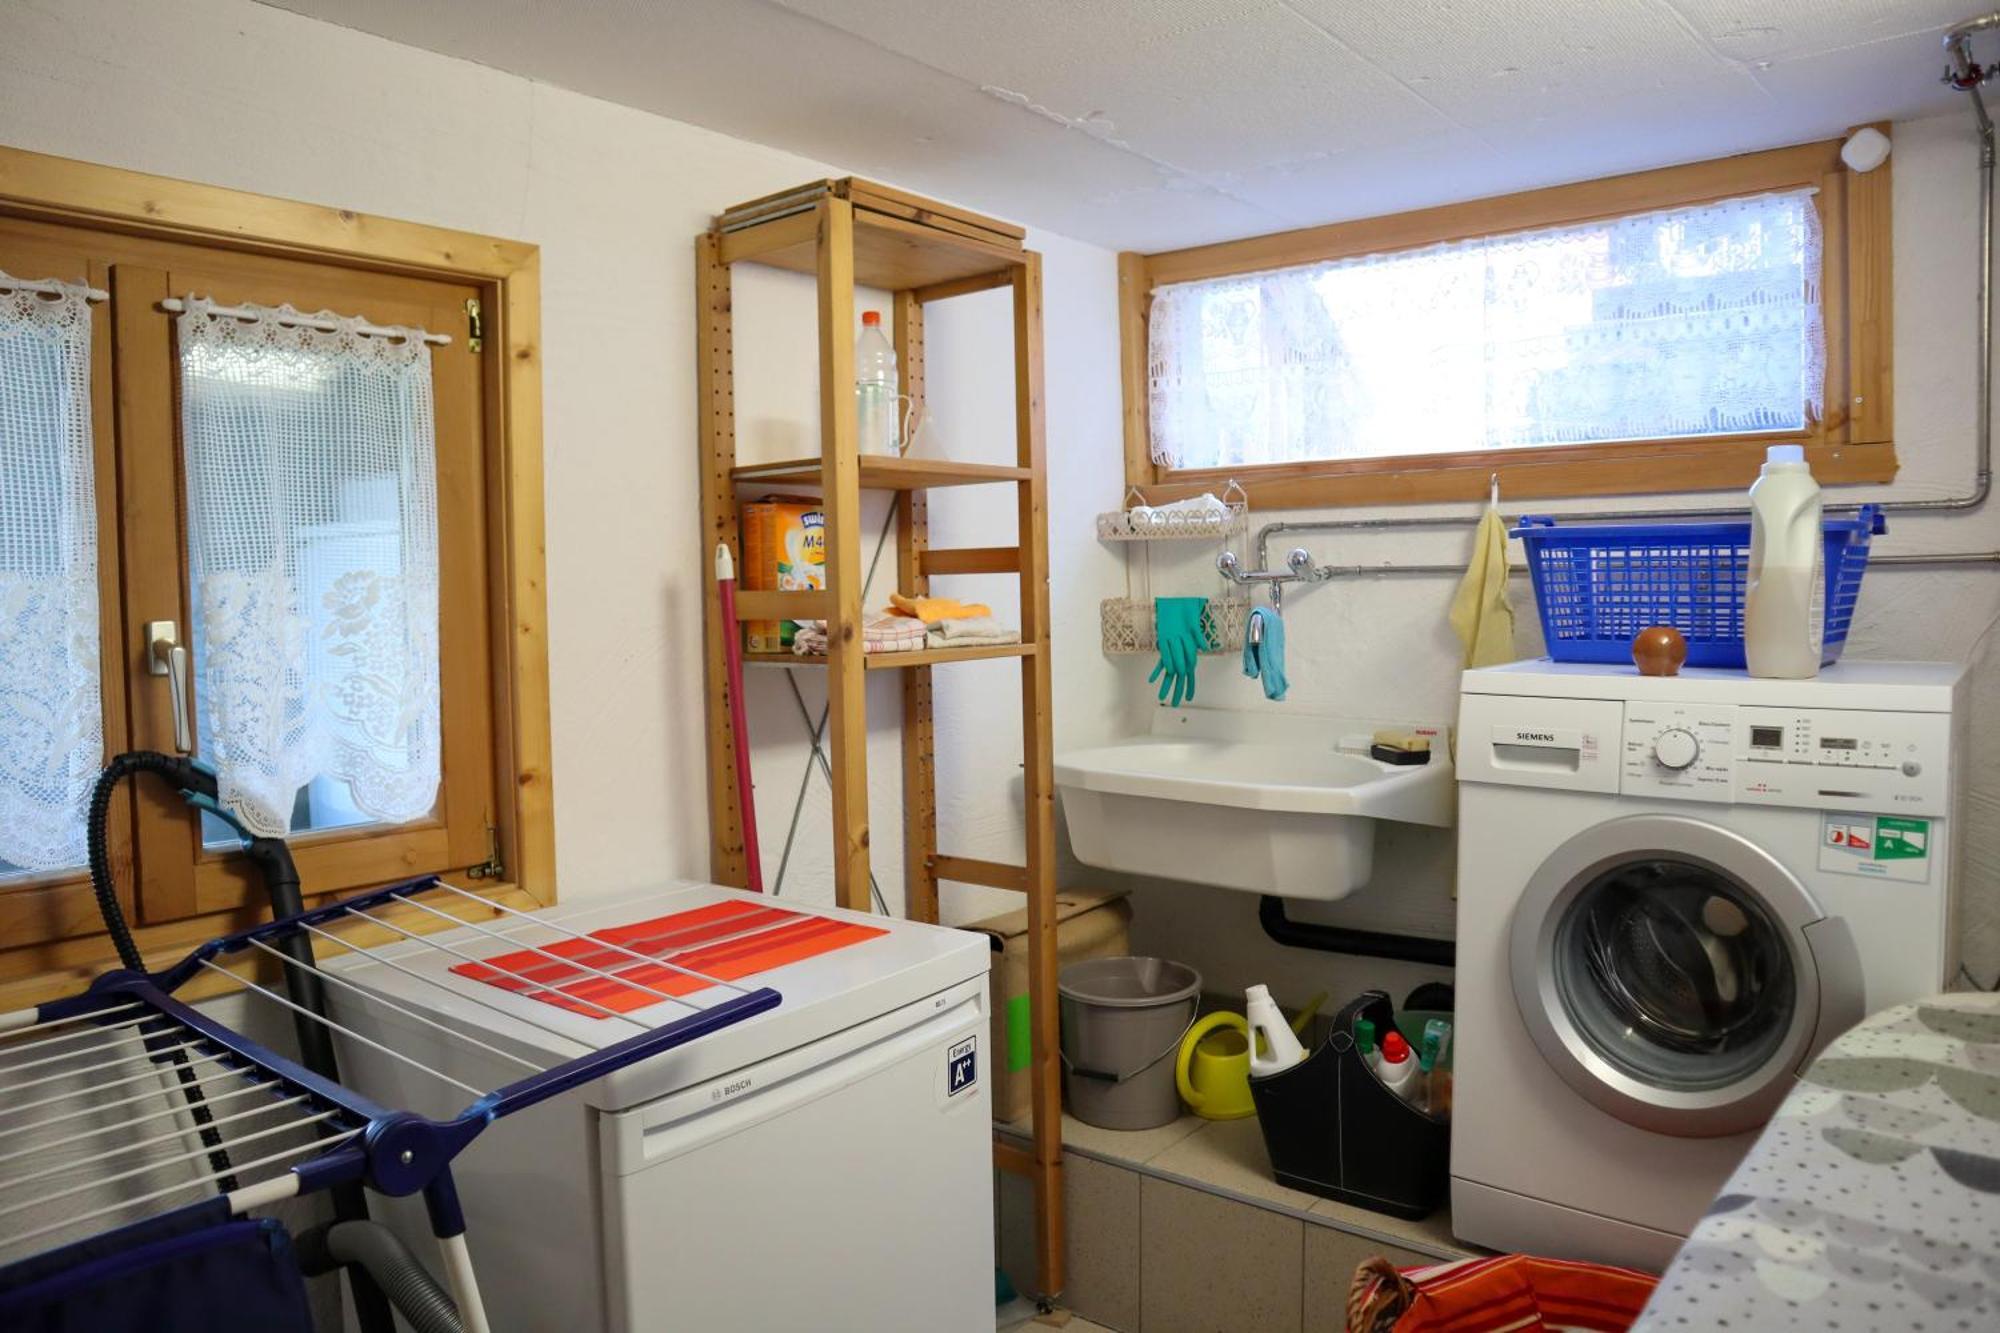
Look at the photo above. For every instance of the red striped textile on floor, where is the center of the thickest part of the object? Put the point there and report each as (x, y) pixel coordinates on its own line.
(724, 941)
(1502, 1294)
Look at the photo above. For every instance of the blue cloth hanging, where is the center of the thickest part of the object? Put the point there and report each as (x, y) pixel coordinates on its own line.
(194, 1270)
(1264, 650)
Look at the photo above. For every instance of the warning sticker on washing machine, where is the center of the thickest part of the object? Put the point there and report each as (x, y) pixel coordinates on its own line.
(1880, 846)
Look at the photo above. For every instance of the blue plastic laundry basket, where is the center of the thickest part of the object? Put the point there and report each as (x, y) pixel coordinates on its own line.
(1598, 584)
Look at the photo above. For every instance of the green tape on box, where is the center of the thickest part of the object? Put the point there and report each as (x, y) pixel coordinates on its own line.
(1020, 1034)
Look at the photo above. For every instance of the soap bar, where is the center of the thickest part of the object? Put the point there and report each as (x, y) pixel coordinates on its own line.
(1390, 754)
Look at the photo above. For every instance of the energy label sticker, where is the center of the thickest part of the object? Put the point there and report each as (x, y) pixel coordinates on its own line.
(1878, 846)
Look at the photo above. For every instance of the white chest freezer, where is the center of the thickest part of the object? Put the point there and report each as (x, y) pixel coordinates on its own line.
(824, 1165)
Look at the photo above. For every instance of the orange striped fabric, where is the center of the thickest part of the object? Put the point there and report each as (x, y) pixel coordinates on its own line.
(1497, 1295)
(722, 941)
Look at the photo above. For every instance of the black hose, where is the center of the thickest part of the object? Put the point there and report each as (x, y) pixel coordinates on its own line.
(281, 882)
(178, 771)
(417, 1296)
(1343, 939)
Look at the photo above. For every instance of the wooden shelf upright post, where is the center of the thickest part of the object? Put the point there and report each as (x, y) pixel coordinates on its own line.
(848, 232)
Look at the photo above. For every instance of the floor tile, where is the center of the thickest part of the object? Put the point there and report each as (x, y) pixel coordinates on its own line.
(1330, 1260)
(1229, 1155)
(1215, 1265)
(1431, 1234)
(1103, 1241)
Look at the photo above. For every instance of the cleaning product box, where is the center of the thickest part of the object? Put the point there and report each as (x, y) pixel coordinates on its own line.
(784, 550)
(1088, 925)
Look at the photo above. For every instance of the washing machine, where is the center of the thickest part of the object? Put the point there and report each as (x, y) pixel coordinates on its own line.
(1672, 892)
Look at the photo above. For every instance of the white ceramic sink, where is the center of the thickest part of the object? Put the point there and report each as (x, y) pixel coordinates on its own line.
(1266, 802)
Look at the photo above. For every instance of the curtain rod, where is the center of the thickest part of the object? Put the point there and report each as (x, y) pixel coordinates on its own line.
(51, 287)
(174, 305)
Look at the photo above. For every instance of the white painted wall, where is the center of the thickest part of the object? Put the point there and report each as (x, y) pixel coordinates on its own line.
(1381, 647)
(232, 93)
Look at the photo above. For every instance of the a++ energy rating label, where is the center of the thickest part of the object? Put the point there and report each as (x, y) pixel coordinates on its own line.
(1881, 846)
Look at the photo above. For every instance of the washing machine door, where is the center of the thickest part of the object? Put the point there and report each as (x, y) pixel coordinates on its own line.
(1676, 975)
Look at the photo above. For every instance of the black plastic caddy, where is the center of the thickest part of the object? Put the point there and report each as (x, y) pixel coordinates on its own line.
(1333, 1130)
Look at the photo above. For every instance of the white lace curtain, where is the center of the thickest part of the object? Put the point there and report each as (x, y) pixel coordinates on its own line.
(1683, 322)
(313, 555)
(51, 720)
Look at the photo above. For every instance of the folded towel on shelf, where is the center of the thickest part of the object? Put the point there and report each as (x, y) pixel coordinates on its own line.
(1197, 510)
(971, 631)
(881, 634)
(930, 610)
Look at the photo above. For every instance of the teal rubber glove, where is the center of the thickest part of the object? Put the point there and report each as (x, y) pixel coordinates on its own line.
(1178, 629)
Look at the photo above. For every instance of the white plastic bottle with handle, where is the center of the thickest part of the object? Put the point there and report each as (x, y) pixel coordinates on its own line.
(1279, 1048)
(1784, 611)
(875, 397)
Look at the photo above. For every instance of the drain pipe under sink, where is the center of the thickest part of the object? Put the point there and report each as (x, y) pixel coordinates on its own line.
(1342, 939)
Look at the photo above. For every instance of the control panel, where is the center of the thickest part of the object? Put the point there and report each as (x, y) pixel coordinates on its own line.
(1679, 750)
(1882, 763)
(1843, 759)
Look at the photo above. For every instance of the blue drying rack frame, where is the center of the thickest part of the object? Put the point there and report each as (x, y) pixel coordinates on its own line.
(392, 1151)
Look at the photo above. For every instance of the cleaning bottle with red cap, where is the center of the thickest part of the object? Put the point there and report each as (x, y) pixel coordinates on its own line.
(875, 399)
(1398, 1068)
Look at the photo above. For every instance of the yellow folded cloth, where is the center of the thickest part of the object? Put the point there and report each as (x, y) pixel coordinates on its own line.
(931, 610)
(1480, 611)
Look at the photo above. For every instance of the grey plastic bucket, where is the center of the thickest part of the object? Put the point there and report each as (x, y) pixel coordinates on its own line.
(1122, 1024)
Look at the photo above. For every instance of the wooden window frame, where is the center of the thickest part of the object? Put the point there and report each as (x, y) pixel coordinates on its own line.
(1852, 444)
(507, 274)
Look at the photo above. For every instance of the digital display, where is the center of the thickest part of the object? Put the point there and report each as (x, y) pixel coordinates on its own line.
(1767, 738)
(1836, 743)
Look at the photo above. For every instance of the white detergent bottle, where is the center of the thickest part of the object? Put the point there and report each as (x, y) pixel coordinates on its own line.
(1399, 1068)
(1279, 1048)
(876, 406)
(1785, 598)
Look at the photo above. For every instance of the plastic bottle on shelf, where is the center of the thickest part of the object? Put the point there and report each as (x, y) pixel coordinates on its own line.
(1364, 1041)
(1785, 592)
(876, 403)
(1399, 1067)
(1279, 1048)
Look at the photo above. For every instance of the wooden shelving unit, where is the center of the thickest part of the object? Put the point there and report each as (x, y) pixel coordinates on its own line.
(848, 232)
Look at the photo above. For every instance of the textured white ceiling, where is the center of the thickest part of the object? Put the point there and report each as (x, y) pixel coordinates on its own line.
(1150, 124)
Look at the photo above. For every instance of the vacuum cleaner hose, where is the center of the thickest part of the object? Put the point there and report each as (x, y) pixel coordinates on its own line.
(417, 1296)
(180, 772)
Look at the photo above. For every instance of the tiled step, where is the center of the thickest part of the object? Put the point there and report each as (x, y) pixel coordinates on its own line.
(1182, 1228)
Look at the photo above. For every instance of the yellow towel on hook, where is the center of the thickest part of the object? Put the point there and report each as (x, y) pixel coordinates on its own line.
(1480, 611)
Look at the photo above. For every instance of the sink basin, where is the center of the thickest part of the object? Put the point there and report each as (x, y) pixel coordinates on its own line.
(1268, 803)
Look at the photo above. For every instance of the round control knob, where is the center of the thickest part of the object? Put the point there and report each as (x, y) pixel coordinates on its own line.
(1676, 748)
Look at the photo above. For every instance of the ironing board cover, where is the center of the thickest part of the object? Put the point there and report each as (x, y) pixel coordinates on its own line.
(1872, 1200)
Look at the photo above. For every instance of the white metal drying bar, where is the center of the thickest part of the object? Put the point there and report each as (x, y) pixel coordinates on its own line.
(349, 1033)
(282, 1186)
(52, 287)
(174, 305)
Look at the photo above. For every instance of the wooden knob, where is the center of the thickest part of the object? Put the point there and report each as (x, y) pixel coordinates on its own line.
(1659, 650)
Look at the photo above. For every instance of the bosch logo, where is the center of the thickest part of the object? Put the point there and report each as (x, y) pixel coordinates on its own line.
(728, 1090)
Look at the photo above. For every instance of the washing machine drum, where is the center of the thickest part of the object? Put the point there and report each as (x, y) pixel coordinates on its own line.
(1675, 974)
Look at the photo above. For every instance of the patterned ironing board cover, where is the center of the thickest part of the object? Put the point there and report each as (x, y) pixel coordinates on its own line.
(1872, 1201)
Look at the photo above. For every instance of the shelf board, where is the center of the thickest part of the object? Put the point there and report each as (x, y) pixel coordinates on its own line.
(882, 473)
(889, 252)
(895, 661)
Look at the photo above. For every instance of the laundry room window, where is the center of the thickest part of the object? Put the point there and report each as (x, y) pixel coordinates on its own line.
(1651, 332)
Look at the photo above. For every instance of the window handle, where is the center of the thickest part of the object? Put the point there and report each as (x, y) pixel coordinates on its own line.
(166, 657)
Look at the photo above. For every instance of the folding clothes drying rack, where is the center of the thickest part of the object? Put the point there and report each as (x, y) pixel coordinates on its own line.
(115, 1064)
